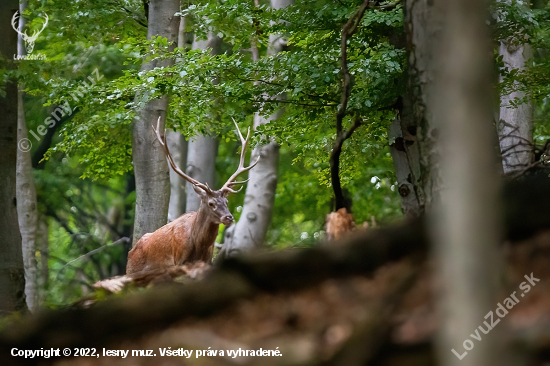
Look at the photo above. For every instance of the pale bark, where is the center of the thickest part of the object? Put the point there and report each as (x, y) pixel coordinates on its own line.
(465, 228)
(12, 273)
(150, 167)
(43, 246)
(27, 212)
(26, 193)
(178, 147)
(409, 201)
(422, 24)
(515, 127)
(202, 150)
(259, 199)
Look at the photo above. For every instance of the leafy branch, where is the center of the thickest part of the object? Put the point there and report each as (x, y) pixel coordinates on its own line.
(348, 31)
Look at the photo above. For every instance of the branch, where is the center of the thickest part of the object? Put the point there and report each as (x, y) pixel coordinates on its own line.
(87, 255)
(519, 173)
(347, 31)
(335, 163)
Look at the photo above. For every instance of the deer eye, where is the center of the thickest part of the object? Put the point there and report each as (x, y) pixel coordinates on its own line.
(211, 204)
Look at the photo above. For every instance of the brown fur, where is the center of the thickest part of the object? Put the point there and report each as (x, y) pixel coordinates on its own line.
(339, 223)
(187, 239)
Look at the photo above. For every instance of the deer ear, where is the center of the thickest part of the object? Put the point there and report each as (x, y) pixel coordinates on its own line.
(201, 192)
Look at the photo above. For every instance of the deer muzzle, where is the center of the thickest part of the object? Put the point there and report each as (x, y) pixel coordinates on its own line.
(227, 220)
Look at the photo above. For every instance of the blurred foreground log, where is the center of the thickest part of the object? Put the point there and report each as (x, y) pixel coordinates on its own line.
(328, 291)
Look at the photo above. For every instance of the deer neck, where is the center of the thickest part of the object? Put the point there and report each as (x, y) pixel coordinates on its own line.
(203, 233)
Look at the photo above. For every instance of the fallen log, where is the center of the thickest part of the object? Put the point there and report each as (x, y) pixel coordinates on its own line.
(131, 317)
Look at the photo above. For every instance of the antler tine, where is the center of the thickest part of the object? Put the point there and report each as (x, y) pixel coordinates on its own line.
(164, 145)
(16, 26)
(229, 190)
(241, 169)
(239, 131)
(235, 183)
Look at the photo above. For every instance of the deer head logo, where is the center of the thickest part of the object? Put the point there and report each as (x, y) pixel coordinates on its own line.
(29, 40)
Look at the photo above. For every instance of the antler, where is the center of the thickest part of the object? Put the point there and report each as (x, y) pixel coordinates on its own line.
(162, 141)
(227, 187)
(16, 26)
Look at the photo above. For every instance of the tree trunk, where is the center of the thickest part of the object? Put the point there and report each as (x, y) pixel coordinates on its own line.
(26, 209)
(202, 150)
(12, 273)
(409, 201)
(25, 191)
(466, 227)
(422, 23)
(43, 246)
(259, 199)
(252, 227)
(150, 167)
(515, 127)
(178, 147)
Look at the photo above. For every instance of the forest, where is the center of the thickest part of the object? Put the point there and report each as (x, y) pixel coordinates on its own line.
(275, 182)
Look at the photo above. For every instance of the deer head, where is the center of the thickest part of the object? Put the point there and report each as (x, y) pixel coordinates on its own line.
(29, 40)
(214, 203)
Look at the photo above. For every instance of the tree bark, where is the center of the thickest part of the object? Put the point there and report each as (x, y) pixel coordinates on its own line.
(43, 246)
(150, 167)
(252, 227)
(422, 23)
(202, 150)
(178, 147)
(409, 201)
(25, 191)
(515, 126)
(465, 227)
(259, 199)
(27, 212)
(348, 30)
(12, 273)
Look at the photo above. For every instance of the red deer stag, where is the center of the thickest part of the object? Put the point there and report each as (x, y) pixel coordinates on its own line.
(190, 237)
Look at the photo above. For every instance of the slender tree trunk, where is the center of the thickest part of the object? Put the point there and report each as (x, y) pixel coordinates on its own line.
(178, 147)
(515, 127)
(26, 193)
(422, 23)
(43, 246)
(128, 223)
(27, 212)
(252, 227)
(409, 201)
(259, 199)
(202, 150)
(12, 273)
(150, 167)
(465, 228)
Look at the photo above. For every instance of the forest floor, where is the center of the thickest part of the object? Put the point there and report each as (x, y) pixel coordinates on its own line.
(367, 299)
(387, 318)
